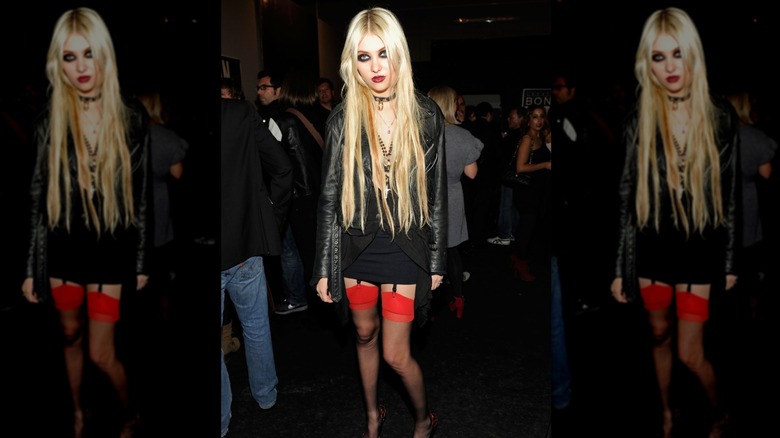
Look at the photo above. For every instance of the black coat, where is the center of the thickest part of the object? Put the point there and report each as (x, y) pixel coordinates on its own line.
(250, 211)
(304, 152)
(426, 247)
(138, 140)
(728, 141)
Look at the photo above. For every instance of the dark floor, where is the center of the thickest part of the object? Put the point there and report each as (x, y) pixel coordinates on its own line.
(487, 374)
(171, 359)
(614, 387)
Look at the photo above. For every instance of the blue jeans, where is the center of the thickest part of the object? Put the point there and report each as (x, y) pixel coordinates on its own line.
(246, 285)
(507, 213)
(292, 270)
(561, 375)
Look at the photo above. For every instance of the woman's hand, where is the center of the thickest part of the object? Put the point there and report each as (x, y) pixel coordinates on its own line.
(436, 280)
(731, 281)
(322, 290)
(617, 290)
(548, 165)
(27, 290)
(142, 281)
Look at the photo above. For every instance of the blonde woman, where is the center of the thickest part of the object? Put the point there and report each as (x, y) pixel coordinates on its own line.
(756, 152)
(89, 233)
(677, 209)
(382, 214)
(463, 149)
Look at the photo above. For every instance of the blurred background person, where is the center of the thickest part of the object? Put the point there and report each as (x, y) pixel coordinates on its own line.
(462, 150)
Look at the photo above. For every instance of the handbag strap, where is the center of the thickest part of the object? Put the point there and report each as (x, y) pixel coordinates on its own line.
(514, 156)
(314, 133)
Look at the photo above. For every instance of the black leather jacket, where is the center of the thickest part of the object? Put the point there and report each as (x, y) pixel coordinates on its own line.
(728, 141)
(138, 142)
(304, 152)
(426, 247)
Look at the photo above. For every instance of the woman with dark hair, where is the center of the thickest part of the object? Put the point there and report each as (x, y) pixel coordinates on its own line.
(303, 145)
(382, 215)
(677, 200)
(532, 202)
(90, 194)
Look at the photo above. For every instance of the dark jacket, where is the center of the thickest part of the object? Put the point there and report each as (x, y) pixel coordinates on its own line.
(250, 212)
(138, 140)
(426, 247)
(304, 152)
(727, 140)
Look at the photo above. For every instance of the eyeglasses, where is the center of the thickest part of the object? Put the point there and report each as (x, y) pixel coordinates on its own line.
(265, 87)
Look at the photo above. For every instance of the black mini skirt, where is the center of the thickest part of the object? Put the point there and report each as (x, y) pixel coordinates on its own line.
(674, 258)
(383, 262)
(81, 256)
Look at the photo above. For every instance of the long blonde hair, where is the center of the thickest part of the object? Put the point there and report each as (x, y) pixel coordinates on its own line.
(701, 174)
(742, 105)
(113, 157)
(152, 101)
(446, 98)
(408, 169)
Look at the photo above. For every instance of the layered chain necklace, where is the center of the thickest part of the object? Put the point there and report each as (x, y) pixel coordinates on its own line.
(679, 120)
(680, 152)
(91, 129)
(386, 162)
(389, 125)
(92, 162)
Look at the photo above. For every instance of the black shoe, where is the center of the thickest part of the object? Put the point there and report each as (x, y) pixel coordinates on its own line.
(584, 307)
(287, 308)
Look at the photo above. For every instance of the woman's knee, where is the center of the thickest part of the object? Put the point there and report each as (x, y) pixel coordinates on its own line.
(661, 332)
(367, 332)
(692, 356)
(72, 325)
(103, 356)
(71, 331)
(398, 358)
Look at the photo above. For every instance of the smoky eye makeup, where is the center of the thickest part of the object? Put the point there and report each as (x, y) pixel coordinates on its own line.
(70, 57)
(363, 57)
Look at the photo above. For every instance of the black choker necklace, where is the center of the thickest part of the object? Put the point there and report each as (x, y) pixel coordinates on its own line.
(86, 100)
(382, 100)
(677, 99)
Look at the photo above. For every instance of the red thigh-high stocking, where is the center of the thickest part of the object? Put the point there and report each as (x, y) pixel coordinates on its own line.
(657, 299)
(362, 300)
(397, 353)
(103, 311)
(68, 298)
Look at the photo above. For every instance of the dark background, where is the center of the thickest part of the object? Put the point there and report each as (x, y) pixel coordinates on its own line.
(598, 40)
(164, 45)
(501, 57)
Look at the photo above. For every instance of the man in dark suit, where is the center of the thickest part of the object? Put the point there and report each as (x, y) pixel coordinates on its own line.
(250, 217)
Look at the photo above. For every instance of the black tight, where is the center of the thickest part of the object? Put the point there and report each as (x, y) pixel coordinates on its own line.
(455, 271)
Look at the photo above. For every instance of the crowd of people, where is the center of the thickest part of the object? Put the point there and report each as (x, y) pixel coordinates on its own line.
(366, 200)
(376, 236)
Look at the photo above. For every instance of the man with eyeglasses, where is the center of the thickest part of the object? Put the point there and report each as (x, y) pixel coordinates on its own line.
(269, 88)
